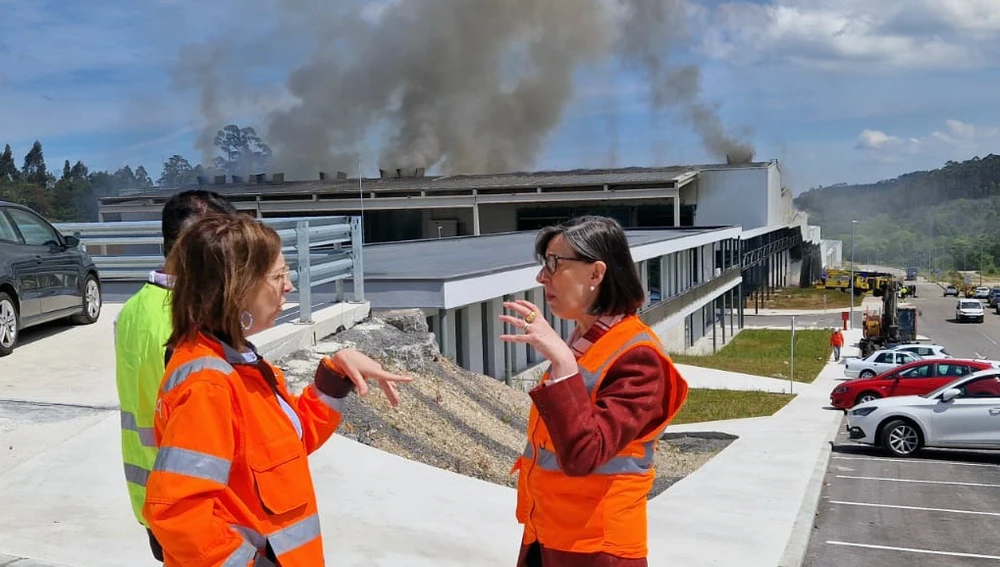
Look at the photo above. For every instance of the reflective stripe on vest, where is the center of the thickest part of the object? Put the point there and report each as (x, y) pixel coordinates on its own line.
(181, 373)
(286, 539)
(193, 464)
(129, 423)
(136, 474)
(617, 465)
(242, 556)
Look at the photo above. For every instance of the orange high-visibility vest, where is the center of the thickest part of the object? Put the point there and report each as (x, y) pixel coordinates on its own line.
(604, 511)
(231, 476)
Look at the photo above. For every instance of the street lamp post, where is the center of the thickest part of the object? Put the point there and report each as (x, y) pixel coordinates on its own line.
(851, 319)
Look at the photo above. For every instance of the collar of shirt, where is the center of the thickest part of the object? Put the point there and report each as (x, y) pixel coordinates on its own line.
(579, 344)
(156, 277)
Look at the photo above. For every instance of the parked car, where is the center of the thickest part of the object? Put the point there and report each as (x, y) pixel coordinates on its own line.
(43, 276)
(877, 362)
(994, 297)
(950, 289)
(914, 378)
(962, 414)
(924, 351)
(969, 310)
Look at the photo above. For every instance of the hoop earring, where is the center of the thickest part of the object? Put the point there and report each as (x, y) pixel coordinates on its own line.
(246, 320)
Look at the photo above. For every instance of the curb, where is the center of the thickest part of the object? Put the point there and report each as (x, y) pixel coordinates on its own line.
(798, 540)
(12, 561)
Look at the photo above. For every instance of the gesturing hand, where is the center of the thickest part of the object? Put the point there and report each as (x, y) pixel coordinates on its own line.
(358, 368)
(537, 332)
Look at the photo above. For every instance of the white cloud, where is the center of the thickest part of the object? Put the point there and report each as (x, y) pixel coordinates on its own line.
(957, 140)
(855, 35)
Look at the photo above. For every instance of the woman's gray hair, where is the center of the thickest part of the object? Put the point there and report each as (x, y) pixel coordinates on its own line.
(594, 238)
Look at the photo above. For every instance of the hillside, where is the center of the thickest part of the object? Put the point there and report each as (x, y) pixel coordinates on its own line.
(943, 218)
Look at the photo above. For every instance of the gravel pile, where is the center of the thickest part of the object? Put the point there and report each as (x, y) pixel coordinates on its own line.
(449, 417)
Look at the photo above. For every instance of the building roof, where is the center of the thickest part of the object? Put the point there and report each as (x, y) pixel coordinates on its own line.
(628, 176)
(462, 257)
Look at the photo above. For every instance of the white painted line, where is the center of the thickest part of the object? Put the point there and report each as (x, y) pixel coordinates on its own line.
(989, 338)
(918, 508)
(918, 461)
(915, 550)
(949, 483)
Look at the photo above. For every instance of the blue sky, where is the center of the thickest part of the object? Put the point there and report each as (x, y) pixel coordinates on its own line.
(836, 90)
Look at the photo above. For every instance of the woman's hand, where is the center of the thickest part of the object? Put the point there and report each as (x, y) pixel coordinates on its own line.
(537, 332)
(358, 368)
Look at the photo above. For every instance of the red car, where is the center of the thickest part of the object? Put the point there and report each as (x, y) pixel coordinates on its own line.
(914, 378)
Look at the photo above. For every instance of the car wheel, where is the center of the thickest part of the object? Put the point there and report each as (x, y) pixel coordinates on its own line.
(867, 374)
(866, 397)
(901, 438)
(92, 302)
(9, 324)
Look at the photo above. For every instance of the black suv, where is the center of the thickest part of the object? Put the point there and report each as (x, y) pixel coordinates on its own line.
(43, 275)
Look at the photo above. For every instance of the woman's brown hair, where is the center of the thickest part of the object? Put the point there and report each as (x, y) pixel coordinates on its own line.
(216, 263)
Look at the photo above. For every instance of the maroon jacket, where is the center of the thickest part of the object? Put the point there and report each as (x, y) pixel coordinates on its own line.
(585, 434)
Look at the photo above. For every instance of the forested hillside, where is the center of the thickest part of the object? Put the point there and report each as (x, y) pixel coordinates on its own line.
(944, 218)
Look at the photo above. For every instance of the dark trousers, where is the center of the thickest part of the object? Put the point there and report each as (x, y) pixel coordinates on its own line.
(534, 556)
(154, 546)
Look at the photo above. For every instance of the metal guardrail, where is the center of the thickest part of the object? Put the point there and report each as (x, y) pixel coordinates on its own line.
(319, 250)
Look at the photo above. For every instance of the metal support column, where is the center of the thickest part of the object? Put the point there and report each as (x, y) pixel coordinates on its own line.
(302, 262)
(357, 253)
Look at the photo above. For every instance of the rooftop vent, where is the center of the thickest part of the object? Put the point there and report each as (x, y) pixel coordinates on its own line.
(341, 175)
(401, 172)
(220, 179)
(278, 178)
(237, 179)
(259, 177)
(202, 180)
(739, 156)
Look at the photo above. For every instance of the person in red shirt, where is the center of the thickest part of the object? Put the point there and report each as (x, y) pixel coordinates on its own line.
(600, 409)
(836, 341)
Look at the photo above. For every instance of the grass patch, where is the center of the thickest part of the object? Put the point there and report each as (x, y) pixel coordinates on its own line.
(765, 352)
(808, 298)
(714, 405)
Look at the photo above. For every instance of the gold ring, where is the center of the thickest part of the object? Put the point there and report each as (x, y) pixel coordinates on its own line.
(530, 318)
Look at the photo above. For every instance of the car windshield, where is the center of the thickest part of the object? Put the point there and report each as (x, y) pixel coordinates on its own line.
(970, 305)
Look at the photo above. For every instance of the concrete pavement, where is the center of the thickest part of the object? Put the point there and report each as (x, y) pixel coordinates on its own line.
(64, 501)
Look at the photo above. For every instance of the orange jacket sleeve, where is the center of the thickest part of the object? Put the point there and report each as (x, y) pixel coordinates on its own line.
(194, 429)
(320, 415)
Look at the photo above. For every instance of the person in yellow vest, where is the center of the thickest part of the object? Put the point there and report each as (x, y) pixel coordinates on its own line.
(600, 408)
(141, 332)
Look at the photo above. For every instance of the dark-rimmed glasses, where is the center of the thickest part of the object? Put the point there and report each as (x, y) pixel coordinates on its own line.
(551, 261)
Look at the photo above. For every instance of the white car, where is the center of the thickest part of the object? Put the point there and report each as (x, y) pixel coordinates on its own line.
(924, 351)
(877, 362)
(963, 414)
(969, 310)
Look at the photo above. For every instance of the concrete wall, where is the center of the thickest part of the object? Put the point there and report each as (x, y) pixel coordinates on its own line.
(833, 253)
(733, 196)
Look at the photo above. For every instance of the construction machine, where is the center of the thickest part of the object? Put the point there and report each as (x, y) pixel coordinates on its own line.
(895, 325)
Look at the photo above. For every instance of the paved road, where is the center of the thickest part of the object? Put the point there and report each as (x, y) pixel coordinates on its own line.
(939, 509)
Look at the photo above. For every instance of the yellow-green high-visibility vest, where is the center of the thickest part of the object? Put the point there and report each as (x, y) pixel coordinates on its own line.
(141, 332)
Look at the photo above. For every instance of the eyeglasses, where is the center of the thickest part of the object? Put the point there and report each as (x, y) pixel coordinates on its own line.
(551, 261)
(282, 276)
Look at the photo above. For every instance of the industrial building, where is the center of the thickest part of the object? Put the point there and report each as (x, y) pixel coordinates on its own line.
(710, 240)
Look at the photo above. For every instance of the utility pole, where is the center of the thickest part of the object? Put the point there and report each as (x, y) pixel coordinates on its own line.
(853, 224)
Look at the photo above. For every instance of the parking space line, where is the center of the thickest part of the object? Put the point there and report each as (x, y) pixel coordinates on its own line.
(946, 482)
(989, 338)
(918, 508)
(914, 550)
(918, 461)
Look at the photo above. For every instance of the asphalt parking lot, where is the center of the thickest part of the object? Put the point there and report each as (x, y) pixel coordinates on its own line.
(940, 509)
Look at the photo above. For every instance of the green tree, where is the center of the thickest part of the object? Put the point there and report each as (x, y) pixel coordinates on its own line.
(177, 172)
(34, 170)
(242, 151)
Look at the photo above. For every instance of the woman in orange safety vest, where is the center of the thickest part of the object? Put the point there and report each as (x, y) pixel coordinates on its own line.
(598, 411)
(231, 483)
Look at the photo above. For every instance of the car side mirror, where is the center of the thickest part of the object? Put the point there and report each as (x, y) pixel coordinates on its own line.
(950, 394)
(71, 241)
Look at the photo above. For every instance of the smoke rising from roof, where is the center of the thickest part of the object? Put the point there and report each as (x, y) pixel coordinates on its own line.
(471, 86)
